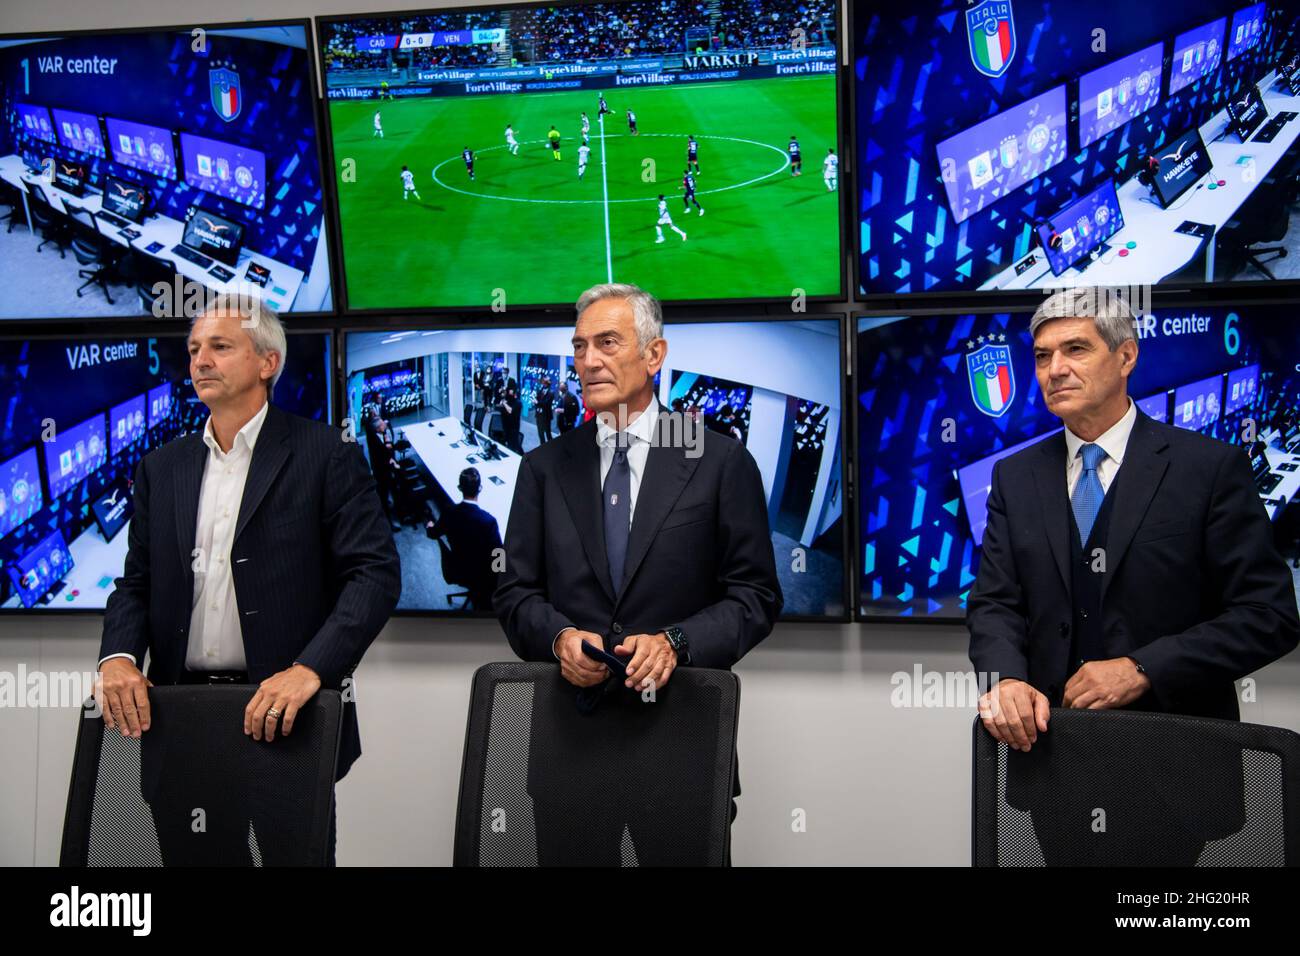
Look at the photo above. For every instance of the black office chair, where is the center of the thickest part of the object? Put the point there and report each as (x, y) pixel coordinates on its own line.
(50, 225)
(1128, 788)
(468, 414)
(1264, 217)
(139, 802)
(12, 197)
(149, 271)
(480, 412)
(632, 782)
(451, 573)
(90, 248)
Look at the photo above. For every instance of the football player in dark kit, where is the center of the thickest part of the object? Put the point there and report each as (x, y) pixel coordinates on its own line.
(796, 158)
(688, 192)
(692, 154)
(467, 154)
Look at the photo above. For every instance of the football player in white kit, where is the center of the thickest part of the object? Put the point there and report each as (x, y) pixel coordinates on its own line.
(512, 144)
(665, 220)
(583, 152)
(379, 127)
(408, 184)
(831, 170)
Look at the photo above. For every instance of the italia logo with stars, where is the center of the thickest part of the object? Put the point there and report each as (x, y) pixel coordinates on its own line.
(992, 382)
(223, 84)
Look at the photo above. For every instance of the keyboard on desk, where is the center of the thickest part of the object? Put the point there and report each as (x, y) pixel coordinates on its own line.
(189, 255)
(1266, 483)
(112, 220)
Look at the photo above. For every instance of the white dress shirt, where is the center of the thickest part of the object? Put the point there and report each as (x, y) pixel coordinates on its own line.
(1114, 441)
(639, 435)
(216, 638)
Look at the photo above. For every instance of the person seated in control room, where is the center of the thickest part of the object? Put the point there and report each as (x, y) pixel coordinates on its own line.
(474, 538)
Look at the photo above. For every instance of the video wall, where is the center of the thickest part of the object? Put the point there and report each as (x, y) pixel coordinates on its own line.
(80, 412)
(689, 150)
(435, 403)
(158, 154)
(1006, 146)
(941, 399)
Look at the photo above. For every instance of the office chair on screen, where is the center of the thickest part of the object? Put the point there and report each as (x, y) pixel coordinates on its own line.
(468, 414)
(50, 225)
(90, 248)
(1129, 788)
(451, 573)
(133, 802)
(631, 783)
(149, 272)
(12, 197)
(1264, 217)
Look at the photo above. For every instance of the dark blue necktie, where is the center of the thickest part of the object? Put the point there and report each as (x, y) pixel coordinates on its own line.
(1088, 493)
(617, 497)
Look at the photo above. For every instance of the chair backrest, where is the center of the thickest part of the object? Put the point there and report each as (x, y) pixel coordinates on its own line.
(480, 412)
(1128, 788)
(452, 572)
(634, 781)
(469, 414)
(195, 790)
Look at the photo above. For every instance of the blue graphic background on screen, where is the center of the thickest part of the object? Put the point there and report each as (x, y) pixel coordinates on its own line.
(34, 123)
(1199, 405)
(1242, 384)
(88, 379)
(1247, 28)
(1156, 406)
(1001, 154)
(143, 147)
(79, 132)
(926, 452)
(916, 86)
(1197, 53)
(126, 424)
(73, 454)
(20, 490)
(1083, 226)
(236, 172)
(1118, 92)
(36, 571)
(161, 83)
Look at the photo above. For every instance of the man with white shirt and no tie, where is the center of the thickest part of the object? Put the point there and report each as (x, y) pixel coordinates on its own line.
(1126, 563)
(258, 553)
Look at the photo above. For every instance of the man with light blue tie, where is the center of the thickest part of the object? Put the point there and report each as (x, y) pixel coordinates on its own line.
(1126, 563)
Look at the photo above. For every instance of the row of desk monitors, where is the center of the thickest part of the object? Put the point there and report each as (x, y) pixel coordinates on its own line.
(934, 403)
(516, 155)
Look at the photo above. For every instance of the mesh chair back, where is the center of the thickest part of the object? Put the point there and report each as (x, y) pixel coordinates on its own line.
(194, 790)
(630, 783)
(1128, 788)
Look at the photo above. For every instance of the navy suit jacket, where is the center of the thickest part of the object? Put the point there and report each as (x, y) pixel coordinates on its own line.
(315, 569)
(1193, 590)
(699, 556)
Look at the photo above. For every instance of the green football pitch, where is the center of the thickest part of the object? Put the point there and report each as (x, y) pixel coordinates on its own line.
(527, 231)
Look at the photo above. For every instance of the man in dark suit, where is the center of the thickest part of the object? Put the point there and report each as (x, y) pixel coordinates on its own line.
(1126, 563)
(568, 409)
(474, 537)
(620, 540)
(258, 553)
(542, 409)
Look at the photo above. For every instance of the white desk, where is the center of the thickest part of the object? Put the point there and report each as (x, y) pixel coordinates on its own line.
(1161, 251)
(280, 291)
(93, 560)
(432, 441)
(1277, 499)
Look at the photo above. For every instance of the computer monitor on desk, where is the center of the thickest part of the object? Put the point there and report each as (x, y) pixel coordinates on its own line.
(125, 199)
(1247, 112)
(1081, 228)
(211, 235)
(1176, 167)
(70, 176)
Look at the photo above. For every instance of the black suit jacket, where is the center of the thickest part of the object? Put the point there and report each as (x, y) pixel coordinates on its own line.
(315, 569)
(700, 553)
(473, 536)
(1194, 589)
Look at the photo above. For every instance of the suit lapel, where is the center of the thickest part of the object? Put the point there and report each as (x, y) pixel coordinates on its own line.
(189, 481)
(1142, 471)
(1050, 481)
(580, 482)
(667, 469)
(269, 456)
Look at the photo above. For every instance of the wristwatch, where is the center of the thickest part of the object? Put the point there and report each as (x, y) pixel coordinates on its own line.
(678, 642)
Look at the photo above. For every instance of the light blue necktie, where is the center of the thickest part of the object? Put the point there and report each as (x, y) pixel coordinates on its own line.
(1088, 493)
